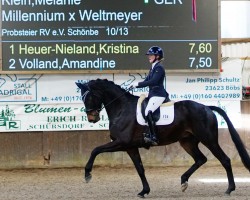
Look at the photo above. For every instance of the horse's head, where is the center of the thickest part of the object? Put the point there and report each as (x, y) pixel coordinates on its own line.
(92, 101)
(102, 93)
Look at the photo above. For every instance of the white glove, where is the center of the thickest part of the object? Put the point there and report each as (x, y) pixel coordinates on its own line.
(134, 85)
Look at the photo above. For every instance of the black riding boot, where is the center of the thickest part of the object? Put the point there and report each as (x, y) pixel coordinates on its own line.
(151, 137)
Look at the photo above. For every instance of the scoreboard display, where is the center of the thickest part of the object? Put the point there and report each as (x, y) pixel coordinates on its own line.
(108, 36)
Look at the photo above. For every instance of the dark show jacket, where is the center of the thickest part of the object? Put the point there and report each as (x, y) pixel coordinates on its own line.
(155, 80)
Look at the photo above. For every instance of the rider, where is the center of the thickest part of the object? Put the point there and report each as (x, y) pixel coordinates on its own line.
(157, 94)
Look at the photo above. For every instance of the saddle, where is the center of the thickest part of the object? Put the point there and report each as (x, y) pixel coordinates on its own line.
(156, 113)
(162, 116)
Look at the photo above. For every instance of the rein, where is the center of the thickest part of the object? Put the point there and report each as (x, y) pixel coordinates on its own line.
(112, 101)
(115, 99)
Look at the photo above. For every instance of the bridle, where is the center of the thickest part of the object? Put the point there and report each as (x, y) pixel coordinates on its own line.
(98, 110)
(89, 111)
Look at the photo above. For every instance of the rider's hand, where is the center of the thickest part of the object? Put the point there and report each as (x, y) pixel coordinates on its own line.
(134, 85)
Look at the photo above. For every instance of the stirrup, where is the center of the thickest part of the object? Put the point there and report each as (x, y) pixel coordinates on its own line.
(146, 135)
(151, 141)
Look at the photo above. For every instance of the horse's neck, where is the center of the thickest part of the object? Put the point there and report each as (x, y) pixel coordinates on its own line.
(114, 103)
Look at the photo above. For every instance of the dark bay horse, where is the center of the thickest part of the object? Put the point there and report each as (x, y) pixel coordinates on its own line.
(193, 123)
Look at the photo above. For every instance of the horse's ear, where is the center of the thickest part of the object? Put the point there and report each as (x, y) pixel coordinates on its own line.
(78, 84)
(83, 87)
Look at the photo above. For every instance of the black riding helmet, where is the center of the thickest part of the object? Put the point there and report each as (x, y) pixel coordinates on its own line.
(155, 50)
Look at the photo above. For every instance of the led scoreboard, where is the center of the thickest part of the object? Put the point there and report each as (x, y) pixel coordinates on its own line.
(99, 36)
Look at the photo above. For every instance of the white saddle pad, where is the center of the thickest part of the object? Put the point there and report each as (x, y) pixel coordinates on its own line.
(166, 113)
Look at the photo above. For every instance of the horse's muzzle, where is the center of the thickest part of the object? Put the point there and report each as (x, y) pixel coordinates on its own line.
(93, 116)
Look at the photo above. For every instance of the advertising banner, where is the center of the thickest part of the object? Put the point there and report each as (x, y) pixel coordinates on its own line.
(53, 102)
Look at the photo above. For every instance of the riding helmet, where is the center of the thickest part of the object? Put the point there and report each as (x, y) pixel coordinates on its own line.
(155, 50)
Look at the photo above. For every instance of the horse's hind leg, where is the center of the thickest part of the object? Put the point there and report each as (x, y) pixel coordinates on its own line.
(225, 161)
(136, 158)
(190, 144)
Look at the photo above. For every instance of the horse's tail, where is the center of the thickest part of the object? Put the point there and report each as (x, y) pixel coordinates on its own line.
(235, 137)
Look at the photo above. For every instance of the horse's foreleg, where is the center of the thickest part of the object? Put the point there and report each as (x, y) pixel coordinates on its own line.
(191, 147)
(136, 158)
(109, 147)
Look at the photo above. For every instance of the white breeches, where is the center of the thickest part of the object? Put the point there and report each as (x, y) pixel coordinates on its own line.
(153, 104)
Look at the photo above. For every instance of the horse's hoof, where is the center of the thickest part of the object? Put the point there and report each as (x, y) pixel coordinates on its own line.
(229, 190)
(88, 178)
(142, 193)
(227, 194)
(184, 186)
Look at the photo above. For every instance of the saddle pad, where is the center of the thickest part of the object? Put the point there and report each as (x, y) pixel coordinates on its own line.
(166, 113)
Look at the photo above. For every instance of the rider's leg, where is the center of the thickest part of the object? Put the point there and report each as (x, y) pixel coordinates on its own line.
(153, 104)
(152, 134)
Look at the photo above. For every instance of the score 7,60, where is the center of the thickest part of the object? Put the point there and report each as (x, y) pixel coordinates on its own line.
(201, 48)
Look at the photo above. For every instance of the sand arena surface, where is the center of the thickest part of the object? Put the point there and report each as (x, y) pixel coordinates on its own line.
(119, 184)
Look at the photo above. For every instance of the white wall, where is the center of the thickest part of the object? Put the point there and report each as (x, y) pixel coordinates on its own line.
(235, 19)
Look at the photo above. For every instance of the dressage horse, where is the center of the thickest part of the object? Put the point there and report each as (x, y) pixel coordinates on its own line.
(193, 123)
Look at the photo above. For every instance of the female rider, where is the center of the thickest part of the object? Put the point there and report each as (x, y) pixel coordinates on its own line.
(157, 94)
